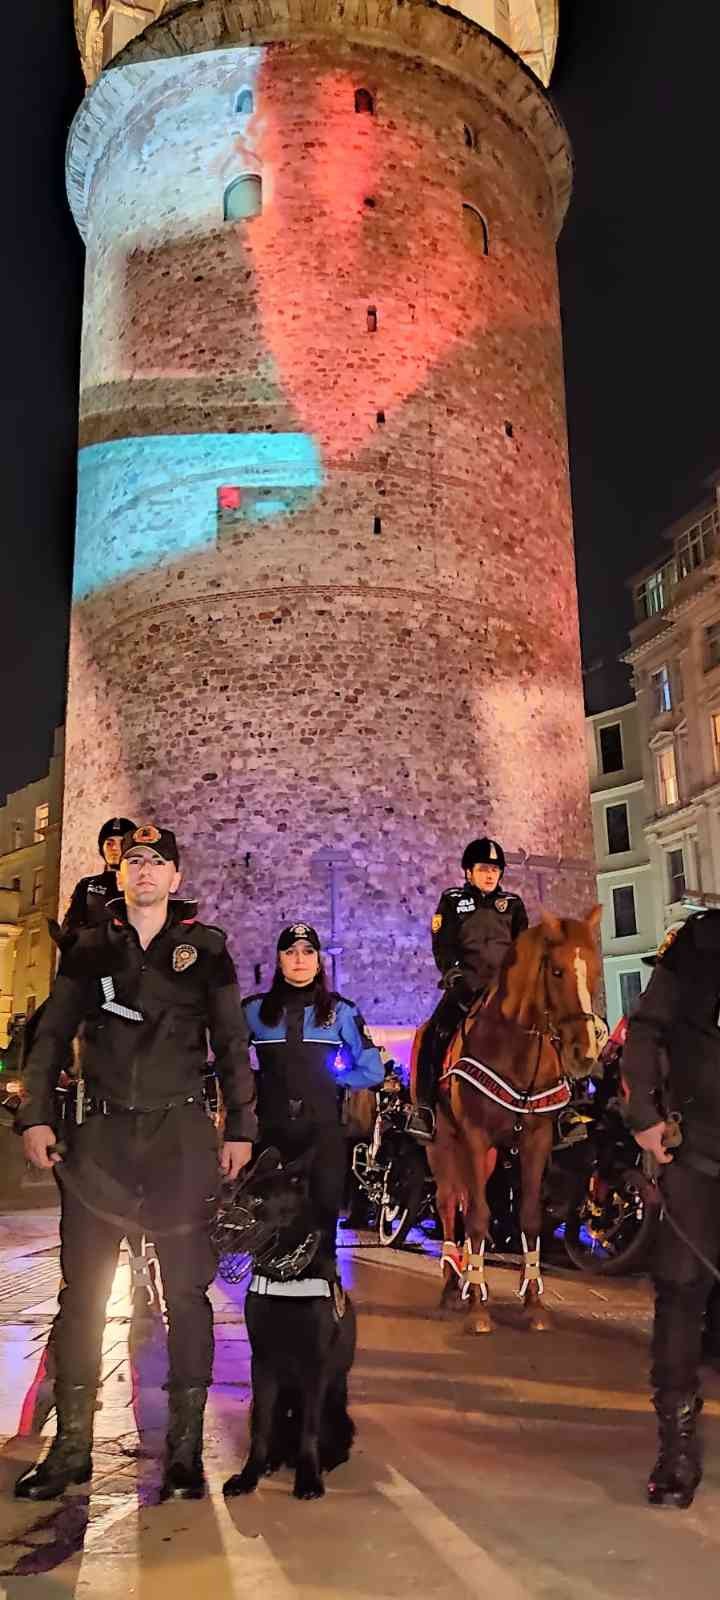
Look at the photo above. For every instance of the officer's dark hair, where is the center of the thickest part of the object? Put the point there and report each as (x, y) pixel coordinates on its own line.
(320, 996)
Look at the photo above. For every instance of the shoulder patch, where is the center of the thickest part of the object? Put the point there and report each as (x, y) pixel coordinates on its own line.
(437, 922)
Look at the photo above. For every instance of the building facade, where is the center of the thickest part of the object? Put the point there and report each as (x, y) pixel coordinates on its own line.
(630, 929)
(675, 658)
(323, 459)
(30, 825)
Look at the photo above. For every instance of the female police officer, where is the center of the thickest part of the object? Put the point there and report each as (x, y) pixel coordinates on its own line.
(310, 1045)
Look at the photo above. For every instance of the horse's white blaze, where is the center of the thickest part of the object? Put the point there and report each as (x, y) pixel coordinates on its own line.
(581, 980)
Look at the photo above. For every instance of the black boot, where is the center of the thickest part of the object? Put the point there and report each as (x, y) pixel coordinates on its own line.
(184, 1476)
(677, 1471)
(68, 1459)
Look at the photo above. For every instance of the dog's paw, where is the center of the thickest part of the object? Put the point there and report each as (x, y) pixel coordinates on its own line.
(308, 1483)
(242, 1482)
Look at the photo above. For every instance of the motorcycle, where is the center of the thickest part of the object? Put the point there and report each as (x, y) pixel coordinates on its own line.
(390, 1167)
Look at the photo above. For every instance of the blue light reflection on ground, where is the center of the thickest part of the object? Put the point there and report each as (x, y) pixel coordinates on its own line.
(144, 502)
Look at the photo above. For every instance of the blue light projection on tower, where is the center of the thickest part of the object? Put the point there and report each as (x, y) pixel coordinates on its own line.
(145, 502)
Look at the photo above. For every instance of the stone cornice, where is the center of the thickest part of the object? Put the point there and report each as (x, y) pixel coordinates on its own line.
(411, 28)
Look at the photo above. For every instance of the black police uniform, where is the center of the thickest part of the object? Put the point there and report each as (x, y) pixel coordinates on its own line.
(672, 1062)
(90, 900)
(146, 1015)
(471, 934)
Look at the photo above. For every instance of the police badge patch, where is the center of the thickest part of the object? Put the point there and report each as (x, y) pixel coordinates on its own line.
(501, 905)
(184, 956)
(147, 834)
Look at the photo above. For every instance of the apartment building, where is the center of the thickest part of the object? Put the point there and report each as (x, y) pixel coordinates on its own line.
(30, 822)
(629, 928)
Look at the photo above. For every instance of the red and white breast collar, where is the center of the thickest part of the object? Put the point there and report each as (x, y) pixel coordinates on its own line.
(505, 1094)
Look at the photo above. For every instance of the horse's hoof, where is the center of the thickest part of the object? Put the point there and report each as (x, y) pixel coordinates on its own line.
(538, 1322)
(479, 1322)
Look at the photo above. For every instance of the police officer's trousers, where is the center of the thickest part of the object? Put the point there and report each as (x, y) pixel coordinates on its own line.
(681, 1282)
(157, 1171)
(439, 1030)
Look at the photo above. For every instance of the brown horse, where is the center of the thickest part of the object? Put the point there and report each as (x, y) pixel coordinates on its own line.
(504, 1076)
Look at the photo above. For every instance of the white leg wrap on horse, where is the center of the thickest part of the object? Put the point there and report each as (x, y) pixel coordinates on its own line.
(452, 1256)
(474, 1274)
(531, 1268)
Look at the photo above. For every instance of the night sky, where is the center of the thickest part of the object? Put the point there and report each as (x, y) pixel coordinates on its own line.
(639, 268)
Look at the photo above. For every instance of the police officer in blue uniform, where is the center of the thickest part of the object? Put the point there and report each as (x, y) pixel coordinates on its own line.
(311, 1045)
(472, 931)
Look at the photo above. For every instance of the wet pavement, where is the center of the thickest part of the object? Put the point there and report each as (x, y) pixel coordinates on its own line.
(506, 1466)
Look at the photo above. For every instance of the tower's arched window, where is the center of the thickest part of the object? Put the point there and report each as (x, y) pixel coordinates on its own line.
(243, 198)
(476, 227)
(244, 103)
(469, 136)
(364, 102)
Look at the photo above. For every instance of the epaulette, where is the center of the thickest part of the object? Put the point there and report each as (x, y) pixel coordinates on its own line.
(343, 999)
(248, 997)
(207, 936)
(457, 892)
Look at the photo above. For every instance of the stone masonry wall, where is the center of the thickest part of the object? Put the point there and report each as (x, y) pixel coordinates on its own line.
(375, 656)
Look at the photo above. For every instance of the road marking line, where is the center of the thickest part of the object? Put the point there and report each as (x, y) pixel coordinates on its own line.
(479, 1573)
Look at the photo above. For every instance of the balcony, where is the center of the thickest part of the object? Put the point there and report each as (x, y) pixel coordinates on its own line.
(9, 914)
(659, 594)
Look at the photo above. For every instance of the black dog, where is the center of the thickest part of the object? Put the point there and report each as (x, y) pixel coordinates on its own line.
(303, 1344)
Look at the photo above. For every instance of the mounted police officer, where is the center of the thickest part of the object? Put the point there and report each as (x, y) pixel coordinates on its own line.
(472, 931)
(91, 896)
(671, 1063)
(148, 986)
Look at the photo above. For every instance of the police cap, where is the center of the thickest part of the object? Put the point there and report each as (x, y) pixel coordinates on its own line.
(114, 828)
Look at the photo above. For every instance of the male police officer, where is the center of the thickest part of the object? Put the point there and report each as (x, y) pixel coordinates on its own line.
(671, 1062)
(90, 897)
(472, 931)
(148, 987)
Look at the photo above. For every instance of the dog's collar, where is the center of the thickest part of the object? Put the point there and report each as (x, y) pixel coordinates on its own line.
(295, 1289)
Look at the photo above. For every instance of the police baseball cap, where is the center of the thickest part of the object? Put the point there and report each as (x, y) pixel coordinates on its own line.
(147, 837)
(114, 828)
(483, 853)
(294, 933)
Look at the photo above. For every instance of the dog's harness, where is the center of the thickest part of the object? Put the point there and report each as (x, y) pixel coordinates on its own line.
(294, 1289)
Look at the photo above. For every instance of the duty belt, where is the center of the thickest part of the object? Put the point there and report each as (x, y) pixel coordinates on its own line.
(93, 1106)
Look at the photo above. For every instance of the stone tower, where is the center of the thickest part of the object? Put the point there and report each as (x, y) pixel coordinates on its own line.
(325, 619)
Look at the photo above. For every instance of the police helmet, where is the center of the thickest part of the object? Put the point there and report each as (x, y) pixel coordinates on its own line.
(115, 828)
(485, 853)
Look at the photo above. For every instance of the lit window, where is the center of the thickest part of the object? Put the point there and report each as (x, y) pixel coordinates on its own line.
(243, 198)
(697, 544)
(42, 819)
(244, 103)
(676, 875)
(630, 989)
(618, 830)
(651, 596)
(611, 750)
(624, 911)
(476, 227)
(661, 691)
(715, 725)
(667, 778)
(364, 102)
